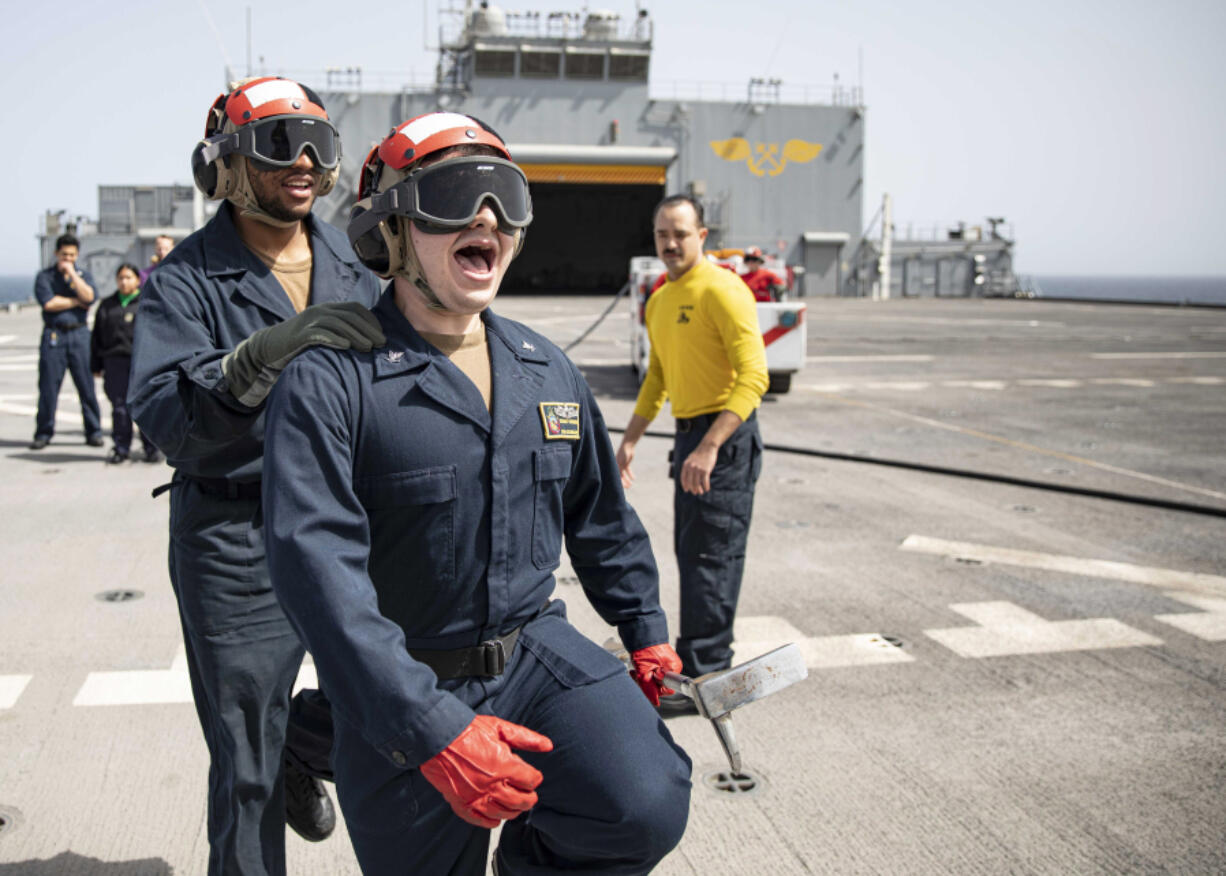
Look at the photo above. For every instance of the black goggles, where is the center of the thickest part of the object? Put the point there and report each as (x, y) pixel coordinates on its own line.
(447, 196)
(277, 142)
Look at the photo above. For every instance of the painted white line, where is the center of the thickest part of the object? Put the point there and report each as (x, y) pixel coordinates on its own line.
(1187, 355)
(976, 384)
(1156, 577)
(7, 339)
(1005, 628)
(939, 320)
(29, 411)
(1199, 381)
(882, 358)
(902, 385)
(754, 636)
(134, 687)
(827, 387)
(1122, 381)
(1056, 383)
(11, 687)
(30, 368)
(583, 363)
(142, 687)
(1210, 624)
(20, 359)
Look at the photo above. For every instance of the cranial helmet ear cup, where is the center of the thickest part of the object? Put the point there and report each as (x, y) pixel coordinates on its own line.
(328, 181)
(203, 171)
(216, 179)
(379, 248)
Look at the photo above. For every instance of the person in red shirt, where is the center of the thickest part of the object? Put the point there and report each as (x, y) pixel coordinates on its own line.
(764, 284)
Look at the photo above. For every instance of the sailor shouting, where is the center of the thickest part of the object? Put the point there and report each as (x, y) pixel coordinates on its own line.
(417, 498)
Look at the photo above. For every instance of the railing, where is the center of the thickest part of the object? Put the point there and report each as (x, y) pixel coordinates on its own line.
(764, 91)
(946, 231)
(543, 25)
(358, 79)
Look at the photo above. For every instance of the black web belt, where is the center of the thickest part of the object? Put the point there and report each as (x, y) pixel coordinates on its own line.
(488, 659)
(216, 487)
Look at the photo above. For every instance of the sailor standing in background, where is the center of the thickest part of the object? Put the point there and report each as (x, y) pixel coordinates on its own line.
(65, 293)
(110, 357)
(223, 314)
(162, 245)
(707, 357)
(764, 284)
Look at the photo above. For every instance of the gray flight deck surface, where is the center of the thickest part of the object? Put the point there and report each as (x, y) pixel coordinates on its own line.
(1003, 678)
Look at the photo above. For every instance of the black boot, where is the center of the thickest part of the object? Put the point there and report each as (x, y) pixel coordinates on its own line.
(308, 808)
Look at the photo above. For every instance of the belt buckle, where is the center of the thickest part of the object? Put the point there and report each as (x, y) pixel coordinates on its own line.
(493, 657)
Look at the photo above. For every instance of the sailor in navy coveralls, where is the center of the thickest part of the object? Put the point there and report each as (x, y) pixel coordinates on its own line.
(219, 319)
(416, 501)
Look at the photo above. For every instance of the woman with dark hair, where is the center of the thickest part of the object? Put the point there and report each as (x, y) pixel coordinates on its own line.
(110, 357)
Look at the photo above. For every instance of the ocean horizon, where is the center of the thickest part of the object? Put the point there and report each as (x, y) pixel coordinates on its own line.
(1132, 289)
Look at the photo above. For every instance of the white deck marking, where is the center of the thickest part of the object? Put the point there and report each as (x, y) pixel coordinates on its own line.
(1057, 383)
(1209, 624)
(1154, 576)
(141, 687)
(754, 636)
(1005, 628)
(903, 385)
(11, 687)
(7, 339)
(1122, 381)
(1188, 355)
(976, 384)
(870, 358)
(61, 415)
(1199, 381)
(591, 362)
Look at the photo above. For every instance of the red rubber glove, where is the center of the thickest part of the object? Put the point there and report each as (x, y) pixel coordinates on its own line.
(481, 778)
(650, 664)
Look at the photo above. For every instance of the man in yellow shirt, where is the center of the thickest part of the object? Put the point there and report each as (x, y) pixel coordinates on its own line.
(707, 357)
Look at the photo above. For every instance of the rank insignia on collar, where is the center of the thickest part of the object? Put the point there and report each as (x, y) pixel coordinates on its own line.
(395, 355)
(561, 420)
(528, 346)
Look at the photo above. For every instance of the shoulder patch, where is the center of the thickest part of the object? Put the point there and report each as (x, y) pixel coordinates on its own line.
(560, 420)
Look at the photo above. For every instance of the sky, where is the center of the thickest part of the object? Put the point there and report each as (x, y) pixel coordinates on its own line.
(1093, 127)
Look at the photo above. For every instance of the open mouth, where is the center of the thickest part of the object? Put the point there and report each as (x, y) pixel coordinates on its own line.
(300, 186)
(476, 258)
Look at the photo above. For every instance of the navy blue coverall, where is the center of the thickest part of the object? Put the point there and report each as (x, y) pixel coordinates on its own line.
(64, 347)
(402, 514)
(210, 294)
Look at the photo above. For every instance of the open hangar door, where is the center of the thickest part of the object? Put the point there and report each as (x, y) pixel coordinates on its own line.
(591, 210)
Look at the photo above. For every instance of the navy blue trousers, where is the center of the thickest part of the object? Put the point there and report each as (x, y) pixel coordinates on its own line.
(243, 658)
(616, 788)
(116, 371)
(58, 352)
(710, 533)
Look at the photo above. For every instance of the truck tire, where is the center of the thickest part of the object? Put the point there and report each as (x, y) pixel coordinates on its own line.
(780, 383)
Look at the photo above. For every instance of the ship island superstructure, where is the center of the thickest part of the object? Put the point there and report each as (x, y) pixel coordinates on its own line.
(774, 165)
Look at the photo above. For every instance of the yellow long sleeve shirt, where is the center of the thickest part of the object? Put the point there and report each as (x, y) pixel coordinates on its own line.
(706, 346)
